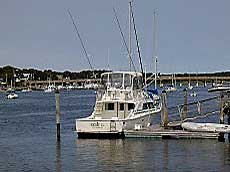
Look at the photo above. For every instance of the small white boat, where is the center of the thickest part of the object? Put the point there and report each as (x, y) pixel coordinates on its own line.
(193, 94)
(190, 87)
(171, 89)
(221, 88)
(12, 95)
(206, 127)
(26, 90)
(49, 89)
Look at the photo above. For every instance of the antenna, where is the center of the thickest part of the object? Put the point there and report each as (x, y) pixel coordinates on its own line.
(108, 58)
(78, 34)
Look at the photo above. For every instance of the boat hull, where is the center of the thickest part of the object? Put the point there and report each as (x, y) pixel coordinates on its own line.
(107, 128)
(12, 96)
(100, 135)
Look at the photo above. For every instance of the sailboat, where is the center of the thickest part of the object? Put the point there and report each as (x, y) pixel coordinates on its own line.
(190, 87)
(172, 87)
(28, 89)
(11, 92)
(50, 88)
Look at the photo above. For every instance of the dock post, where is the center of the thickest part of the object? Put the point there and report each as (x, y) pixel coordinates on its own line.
(221, 108)
(229, 123)
(221, 120)
(57, 98)
(226, 111)
(185, 107)
(164, 112)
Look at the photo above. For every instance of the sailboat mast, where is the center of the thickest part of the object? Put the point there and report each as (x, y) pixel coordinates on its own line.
(174, 80)
(154, 47)
(145, 76)
(130, 35)
(108, 58)
(6, 79)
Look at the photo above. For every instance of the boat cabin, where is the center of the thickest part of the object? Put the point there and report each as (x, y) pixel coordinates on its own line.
(113, 109)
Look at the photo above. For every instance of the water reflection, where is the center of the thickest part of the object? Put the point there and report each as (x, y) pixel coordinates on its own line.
(152, 155)
(227, 155)
(58, 156)
(165, 155)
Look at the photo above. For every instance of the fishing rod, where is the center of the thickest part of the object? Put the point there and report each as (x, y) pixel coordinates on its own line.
(123, 38)
(137, 43)
(84, 49)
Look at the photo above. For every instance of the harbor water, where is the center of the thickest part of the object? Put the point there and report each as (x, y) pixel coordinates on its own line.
(28, 140)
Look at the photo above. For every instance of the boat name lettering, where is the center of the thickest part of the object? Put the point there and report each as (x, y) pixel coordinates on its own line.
(97, 124)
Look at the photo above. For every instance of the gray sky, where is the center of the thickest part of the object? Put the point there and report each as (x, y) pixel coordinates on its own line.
(192, 36)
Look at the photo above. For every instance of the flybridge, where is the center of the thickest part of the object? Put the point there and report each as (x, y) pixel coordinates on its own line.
(122, 80)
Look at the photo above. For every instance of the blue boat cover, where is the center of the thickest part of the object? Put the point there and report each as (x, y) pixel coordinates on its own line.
(151, 92)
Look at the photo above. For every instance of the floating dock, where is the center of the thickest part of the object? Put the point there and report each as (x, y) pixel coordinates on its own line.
(161, 133)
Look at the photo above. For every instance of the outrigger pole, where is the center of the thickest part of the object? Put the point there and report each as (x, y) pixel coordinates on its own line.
(78, 34)
(123, 38)
(138, 48)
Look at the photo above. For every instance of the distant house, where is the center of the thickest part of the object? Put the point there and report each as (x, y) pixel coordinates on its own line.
(25, 77)
(17, 80)
(60, 77)
(2, 83)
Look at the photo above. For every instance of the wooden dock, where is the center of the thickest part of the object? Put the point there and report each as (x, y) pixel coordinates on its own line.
(161, 133)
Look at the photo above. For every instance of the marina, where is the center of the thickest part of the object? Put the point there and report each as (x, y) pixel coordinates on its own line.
(114, 86)
(28, 126)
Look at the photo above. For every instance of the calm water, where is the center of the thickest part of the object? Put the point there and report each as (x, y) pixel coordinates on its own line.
(28, 142)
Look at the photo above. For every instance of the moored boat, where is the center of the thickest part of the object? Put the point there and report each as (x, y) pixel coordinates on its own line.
(206, 127)
(193, 94)
(220, 88)
(121, 105)
(12, 95)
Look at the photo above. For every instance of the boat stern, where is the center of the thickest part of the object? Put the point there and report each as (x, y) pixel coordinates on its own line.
(99, 128)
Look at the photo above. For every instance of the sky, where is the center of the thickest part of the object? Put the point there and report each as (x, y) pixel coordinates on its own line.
(192, 36)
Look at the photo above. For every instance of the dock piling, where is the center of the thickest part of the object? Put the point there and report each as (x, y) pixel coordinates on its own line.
(221, 108)
(57, 98)
(164, 112)
(229, 124)
(185, 107)
(226, 112)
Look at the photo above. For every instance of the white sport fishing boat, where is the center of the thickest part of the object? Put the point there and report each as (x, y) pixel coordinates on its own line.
(121, 105)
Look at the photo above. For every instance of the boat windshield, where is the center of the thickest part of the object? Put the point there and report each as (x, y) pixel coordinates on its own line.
(121, 80)
(113, 80)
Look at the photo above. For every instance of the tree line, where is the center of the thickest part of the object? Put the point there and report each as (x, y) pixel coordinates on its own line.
(34, 74)
(11, 73)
